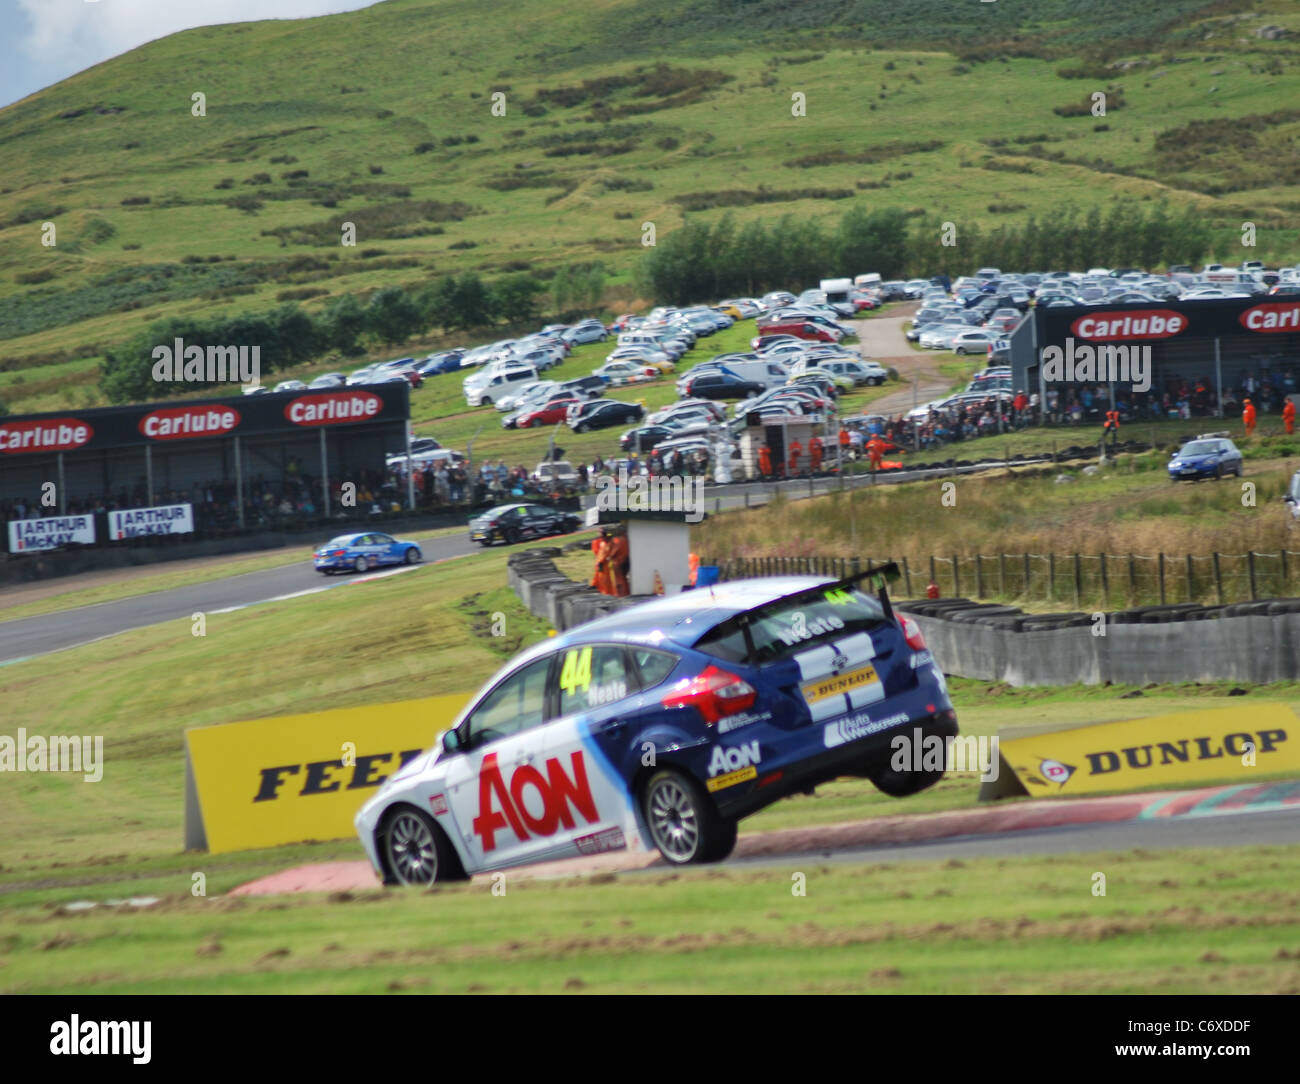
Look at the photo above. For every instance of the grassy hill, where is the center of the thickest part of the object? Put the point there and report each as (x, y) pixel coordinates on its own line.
(617, 112)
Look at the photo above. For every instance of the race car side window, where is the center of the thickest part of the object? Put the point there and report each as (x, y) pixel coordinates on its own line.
(652, 666)
(516, 704)
(591, 676)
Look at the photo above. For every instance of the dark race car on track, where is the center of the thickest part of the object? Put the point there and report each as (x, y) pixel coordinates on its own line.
(362, 552)
(517, 522)
(745, 692)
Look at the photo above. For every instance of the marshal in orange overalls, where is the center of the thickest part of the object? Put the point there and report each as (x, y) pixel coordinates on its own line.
(1248, 418)
(1288, 416)
(796, 450)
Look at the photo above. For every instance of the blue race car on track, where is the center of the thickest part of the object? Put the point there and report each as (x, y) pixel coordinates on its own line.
(664, 725)
(362, 552)
(1205, 457)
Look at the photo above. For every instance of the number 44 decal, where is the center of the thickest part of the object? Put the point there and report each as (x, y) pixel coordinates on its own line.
(576, 672)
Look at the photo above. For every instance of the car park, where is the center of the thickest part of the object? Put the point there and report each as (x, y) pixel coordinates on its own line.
(761, 689)
(585, 387)
(329, 380)
(619, 373)
(511, 523)
(290, 385)
(364, 551)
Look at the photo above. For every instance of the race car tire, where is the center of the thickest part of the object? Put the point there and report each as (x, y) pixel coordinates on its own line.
(413, 555)
(511, 535)
(902, 784)
(581, 427)
(416, 851)
(685, 825)
(362, 564)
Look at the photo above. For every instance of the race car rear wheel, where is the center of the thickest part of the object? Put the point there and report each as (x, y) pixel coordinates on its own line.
(361, 564)
(415, 850)
(684, 823)
(903, 784)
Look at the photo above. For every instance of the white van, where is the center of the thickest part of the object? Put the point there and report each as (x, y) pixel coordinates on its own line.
(507, 382)
(768, 372)
(837, 290)
(872, 279)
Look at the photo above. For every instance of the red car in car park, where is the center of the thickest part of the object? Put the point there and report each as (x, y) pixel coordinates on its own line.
(554, 410)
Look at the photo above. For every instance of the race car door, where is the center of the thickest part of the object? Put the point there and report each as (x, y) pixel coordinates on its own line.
(595, 692)
(494, 787)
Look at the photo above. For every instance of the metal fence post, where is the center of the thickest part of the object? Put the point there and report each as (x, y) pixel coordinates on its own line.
(1218, 578)
(1250, 565)
(979, 577)
(907, 577)
(1078, 581)
(1105, 583)
(1191, 587)
(956, 578)
(1162, 577)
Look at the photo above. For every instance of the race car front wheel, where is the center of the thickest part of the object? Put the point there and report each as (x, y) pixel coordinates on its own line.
(416, 851)
(412, 555)
(685, 825)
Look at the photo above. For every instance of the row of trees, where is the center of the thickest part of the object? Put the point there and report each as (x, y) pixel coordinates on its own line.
(704, 261)
(289, 336)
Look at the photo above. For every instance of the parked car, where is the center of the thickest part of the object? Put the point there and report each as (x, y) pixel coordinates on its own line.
(722, 385)
(602, 413)
(329, 380)
(550, 412)
(585, 387)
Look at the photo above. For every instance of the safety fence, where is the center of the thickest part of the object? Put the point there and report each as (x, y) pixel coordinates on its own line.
(1094, 581)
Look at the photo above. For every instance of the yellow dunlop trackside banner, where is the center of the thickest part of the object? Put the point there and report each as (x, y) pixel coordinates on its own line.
(1235, 745)
(295, 778)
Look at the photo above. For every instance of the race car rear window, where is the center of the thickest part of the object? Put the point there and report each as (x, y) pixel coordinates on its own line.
(788, 627)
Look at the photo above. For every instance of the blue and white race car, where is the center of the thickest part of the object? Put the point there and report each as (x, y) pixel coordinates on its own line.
(362, 552)
(664, 725)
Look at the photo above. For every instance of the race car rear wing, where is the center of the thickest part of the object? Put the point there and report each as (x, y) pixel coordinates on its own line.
(880, 575)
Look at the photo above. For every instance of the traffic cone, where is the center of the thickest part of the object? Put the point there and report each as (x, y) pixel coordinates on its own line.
(659, 583)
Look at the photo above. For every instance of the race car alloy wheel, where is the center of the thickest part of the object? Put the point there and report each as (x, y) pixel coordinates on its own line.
(412, 555)
(511, 535)
(361, 564)
(684, 823)
(413, 849)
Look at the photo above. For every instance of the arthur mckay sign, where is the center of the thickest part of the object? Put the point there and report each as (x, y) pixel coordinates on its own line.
(177, 423)
(138, 522)
(30, 535)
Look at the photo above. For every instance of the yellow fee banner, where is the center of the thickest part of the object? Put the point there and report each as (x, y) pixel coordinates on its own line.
(295, 778)
(1237, 744)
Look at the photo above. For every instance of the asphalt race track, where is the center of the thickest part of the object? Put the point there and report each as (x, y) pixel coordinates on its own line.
(31, 636)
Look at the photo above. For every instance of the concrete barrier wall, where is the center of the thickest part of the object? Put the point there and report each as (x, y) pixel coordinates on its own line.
(549, 594)
(1198, 644)
(1252, 643)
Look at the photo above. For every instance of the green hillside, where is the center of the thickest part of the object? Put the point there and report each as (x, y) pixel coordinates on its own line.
(617, 113)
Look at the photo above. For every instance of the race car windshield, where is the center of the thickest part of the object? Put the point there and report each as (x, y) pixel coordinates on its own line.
(1201, 447)
(788, 628)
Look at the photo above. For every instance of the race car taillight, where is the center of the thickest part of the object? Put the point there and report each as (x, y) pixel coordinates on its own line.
(714, 692)
(338, 553)
(911, 633)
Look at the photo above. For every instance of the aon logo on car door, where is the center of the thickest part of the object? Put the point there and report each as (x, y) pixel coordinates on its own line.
(556, 797)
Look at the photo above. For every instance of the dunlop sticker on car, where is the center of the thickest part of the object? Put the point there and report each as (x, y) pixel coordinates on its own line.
(839, 684)
(732, 778)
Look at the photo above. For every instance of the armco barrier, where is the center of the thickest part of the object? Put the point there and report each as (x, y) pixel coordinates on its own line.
(1253, 642)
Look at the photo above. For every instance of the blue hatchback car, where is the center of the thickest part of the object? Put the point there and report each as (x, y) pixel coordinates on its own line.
(1205, 457)
(665, 724)
(364, 551)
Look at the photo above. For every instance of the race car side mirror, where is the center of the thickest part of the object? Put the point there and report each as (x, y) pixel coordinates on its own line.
(451, 742)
